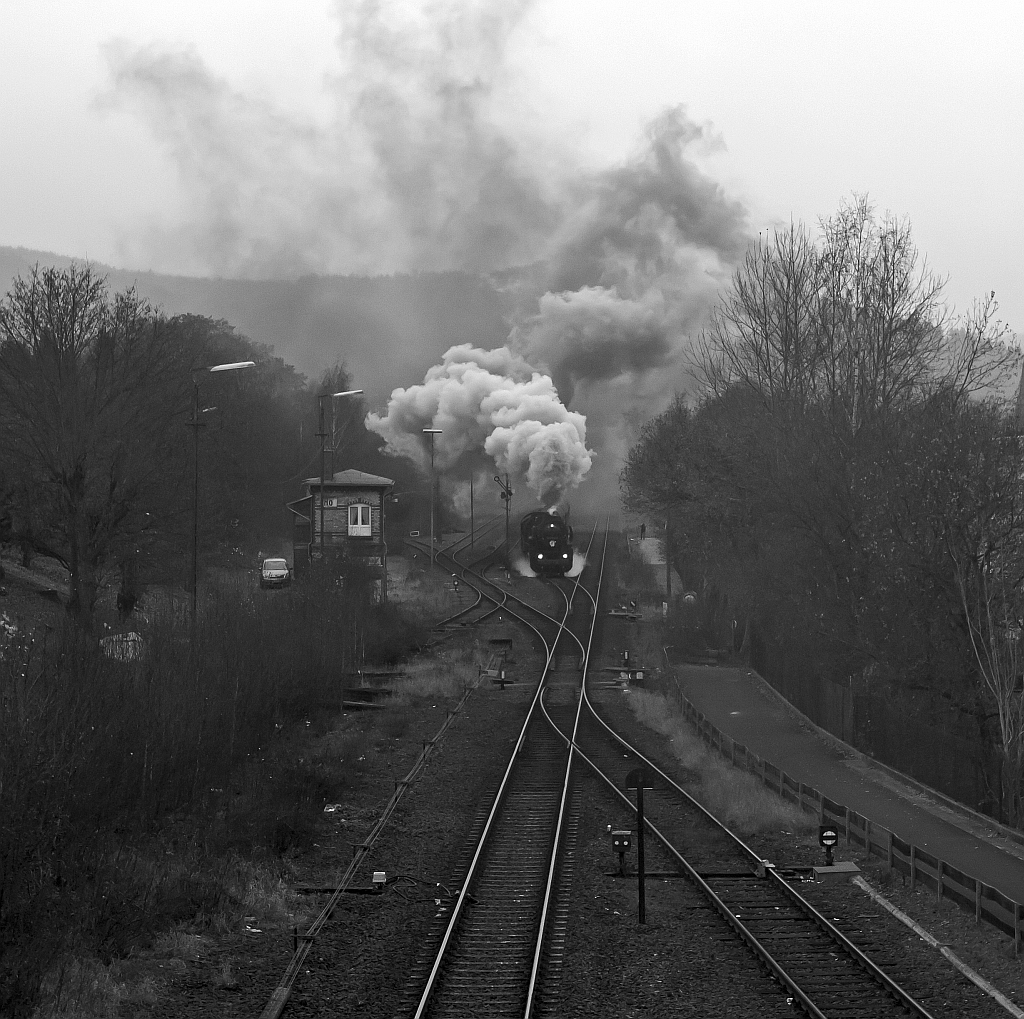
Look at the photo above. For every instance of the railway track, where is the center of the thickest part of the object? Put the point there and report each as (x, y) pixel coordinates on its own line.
(820, 968)
(817, 964)
(495, 947)
(491, 957)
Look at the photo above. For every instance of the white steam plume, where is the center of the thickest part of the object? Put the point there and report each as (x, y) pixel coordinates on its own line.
(490, 402)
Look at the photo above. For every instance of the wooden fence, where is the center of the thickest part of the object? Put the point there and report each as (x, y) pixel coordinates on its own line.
(989, 904)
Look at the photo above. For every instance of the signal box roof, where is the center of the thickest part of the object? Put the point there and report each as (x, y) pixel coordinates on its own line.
(352, 479)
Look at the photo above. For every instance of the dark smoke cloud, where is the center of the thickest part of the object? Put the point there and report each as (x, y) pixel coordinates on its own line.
(419, 170)
(413, 172)
(636, 265)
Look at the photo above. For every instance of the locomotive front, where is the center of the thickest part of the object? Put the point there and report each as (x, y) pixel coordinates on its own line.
(547, 542)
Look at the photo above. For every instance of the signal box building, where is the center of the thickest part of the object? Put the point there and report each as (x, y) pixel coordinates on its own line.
(353, 521)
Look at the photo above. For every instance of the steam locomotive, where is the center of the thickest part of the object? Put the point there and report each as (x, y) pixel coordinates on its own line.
(547, 543)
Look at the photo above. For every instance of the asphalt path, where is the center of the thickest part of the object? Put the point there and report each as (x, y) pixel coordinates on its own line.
(738, 702)
(743, 706)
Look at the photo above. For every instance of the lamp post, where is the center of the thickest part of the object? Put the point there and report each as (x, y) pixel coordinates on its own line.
(432, 432)
(323, 435)
(195, 424)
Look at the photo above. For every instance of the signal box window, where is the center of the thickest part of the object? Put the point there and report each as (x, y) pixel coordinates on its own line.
(359, 521)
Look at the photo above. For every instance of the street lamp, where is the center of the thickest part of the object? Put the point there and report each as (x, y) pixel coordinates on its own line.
(195, 424)
(323, 435)
(432, 432)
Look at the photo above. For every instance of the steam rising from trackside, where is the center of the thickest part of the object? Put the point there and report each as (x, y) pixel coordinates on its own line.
(425, 167)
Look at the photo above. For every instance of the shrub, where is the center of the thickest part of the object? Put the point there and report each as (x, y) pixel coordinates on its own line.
(96, 753)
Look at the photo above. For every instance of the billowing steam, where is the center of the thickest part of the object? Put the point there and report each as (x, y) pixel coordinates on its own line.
(490, 403)
(424, 166)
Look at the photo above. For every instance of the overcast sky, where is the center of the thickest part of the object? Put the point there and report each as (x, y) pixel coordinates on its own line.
(921, 105)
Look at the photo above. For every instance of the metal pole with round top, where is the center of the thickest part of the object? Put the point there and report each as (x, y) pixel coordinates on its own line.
(432, 432)
(195, 424)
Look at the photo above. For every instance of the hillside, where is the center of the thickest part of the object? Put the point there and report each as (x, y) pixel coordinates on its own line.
(387, 329)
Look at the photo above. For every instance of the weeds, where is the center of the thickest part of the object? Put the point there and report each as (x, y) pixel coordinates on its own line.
(433, 680)
(736, 798)
(84, 987)
(98, 756)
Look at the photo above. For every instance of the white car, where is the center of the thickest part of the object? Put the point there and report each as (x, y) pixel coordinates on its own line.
(275, 573)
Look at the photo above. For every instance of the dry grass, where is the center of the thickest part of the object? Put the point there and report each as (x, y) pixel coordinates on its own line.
(427, 592)
(86, 989)
(158, 788)
(434, 679)
(735, 797)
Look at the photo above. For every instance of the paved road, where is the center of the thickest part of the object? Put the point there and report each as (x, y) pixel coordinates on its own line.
(737, 702)
(740, 703)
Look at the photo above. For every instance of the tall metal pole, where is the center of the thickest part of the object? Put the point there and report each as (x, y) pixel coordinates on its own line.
(506, 496)
(195, 498)
(432, 432)
(196, 424)
(433, 496)
(322, 434)
(668, 557)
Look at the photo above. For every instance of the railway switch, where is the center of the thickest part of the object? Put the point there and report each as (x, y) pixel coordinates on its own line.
(828, 837)
(622, 842)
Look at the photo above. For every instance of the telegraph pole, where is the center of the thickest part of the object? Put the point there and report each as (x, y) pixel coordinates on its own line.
(506, 498)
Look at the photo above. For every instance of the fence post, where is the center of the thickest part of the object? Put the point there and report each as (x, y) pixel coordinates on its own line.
(1016, 928)
(888, 855)
(821, 809)
(977, 900)
(764, 781)
(732, 749)
(847, 825)
(938, 885)
(801, 796)
(867, 838)
(913, 865)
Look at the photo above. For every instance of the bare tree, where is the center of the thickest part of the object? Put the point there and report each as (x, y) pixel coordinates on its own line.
(993, 604)
(760, 337)
(89, 388)
(853, 325)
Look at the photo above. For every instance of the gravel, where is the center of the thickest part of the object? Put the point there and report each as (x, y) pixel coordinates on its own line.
(683, 961)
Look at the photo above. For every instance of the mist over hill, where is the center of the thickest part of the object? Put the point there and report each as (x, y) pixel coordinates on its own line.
(388, 330)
